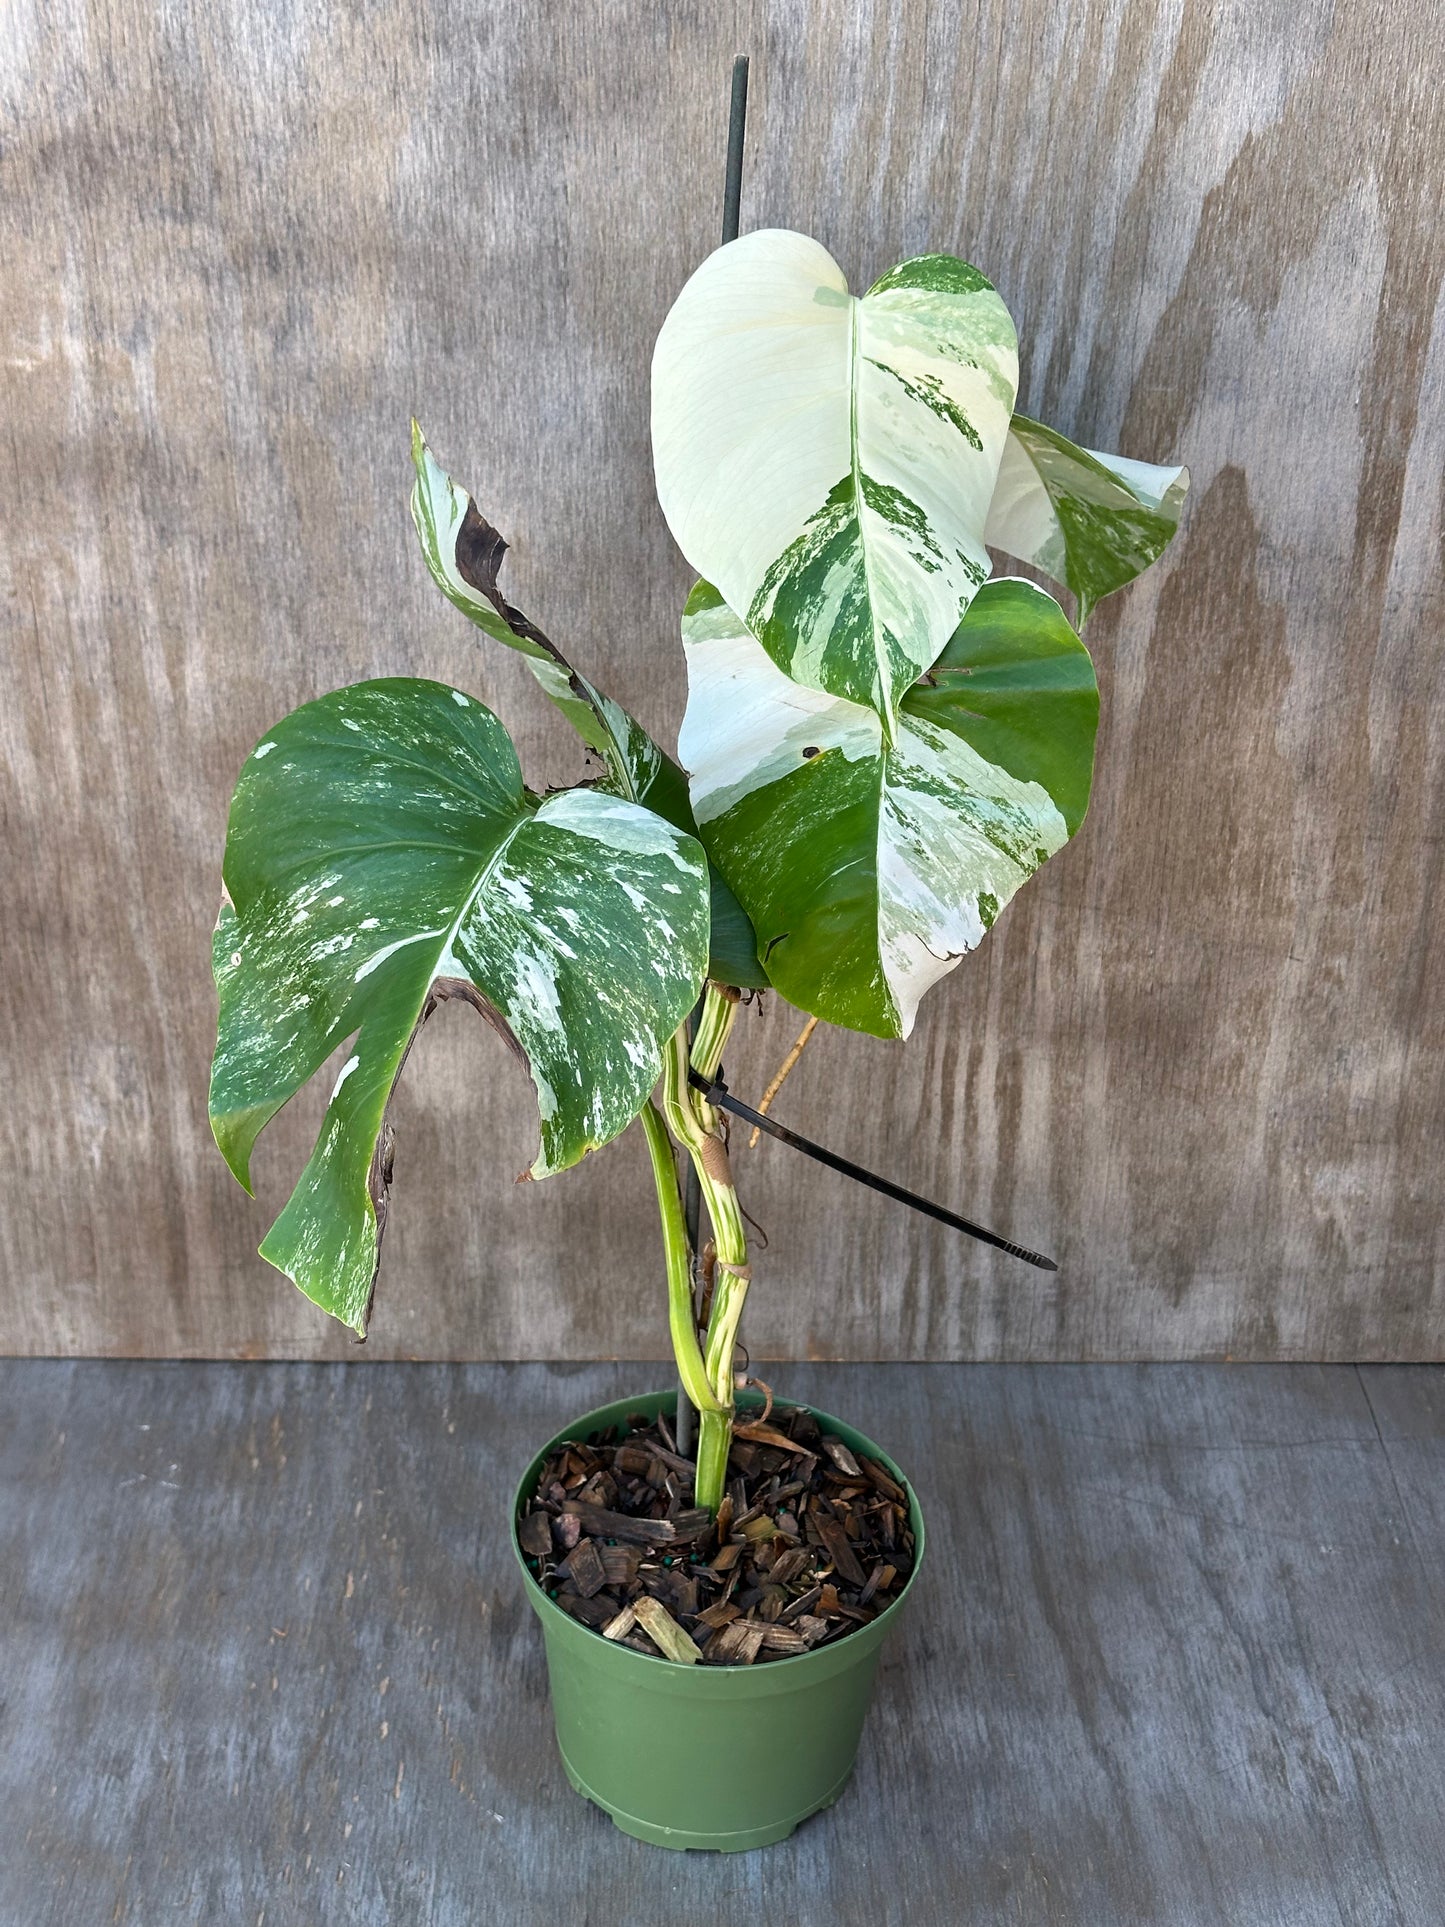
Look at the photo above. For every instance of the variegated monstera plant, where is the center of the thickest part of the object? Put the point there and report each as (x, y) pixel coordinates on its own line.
(882, 742)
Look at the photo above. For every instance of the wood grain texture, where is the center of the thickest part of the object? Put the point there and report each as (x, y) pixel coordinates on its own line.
(1202, 1058)
(1175, 1657)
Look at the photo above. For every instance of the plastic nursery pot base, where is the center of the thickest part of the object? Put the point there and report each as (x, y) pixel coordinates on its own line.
(735, 1842)
(714, 1757)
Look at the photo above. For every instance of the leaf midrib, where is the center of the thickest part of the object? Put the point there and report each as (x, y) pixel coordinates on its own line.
(885, 700)
(487, 872)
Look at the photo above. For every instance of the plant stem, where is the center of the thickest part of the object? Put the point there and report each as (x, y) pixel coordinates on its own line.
(697, 1128)
(692, 1213)
(714, 1442)
(716, 1014)
(691, 1369)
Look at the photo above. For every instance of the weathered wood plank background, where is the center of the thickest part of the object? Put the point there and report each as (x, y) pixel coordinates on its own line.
(1201, 1058)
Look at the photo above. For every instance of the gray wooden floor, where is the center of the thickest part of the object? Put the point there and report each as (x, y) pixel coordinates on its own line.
(1179, 1655)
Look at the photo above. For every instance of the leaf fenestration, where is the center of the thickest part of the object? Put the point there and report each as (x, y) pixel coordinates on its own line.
(383, 855)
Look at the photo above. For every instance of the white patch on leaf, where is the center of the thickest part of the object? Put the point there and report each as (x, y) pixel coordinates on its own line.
(379, 957)
(535, 987)
(616, 823)
(937, 854)
(747, 724)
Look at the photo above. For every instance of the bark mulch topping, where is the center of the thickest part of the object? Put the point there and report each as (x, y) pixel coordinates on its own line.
(811, 1541)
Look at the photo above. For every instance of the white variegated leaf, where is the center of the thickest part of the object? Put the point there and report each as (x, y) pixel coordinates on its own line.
(382, 855)
(463, 553)
(870, 867)
(828, 461)
(1092, 522)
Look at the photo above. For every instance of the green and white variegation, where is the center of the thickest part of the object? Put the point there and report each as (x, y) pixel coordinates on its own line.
(1092, 522)
(382, 855)
(868, 867)
(828, 461)
(463, 554)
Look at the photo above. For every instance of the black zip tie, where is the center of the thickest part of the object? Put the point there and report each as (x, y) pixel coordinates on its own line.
(718, 1094)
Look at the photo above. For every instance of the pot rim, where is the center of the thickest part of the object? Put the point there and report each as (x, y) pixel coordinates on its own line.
(861, 1640)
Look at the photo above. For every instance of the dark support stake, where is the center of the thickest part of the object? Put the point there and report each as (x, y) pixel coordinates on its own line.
(737, 122)
(732, 209)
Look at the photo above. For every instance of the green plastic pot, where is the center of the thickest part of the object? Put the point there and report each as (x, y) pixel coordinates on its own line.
(726, 1757)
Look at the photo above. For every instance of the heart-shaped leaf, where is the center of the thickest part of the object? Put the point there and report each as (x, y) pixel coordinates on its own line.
(1092, 522)
(869, 868)
(828, 461)
(382, 855)
(463, 553)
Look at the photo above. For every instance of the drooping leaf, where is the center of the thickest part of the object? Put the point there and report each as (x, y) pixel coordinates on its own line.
(1092, 522)
(382, 855)
(463, 553)
(870, 868)
(828, 461)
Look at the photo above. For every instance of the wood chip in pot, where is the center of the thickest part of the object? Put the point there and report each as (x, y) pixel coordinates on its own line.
(663, 1630)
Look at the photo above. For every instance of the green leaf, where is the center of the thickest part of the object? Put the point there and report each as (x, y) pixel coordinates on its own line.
(464, 555)
(828, 461)
(1092, 522)
(382, 856)
(870, 868)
